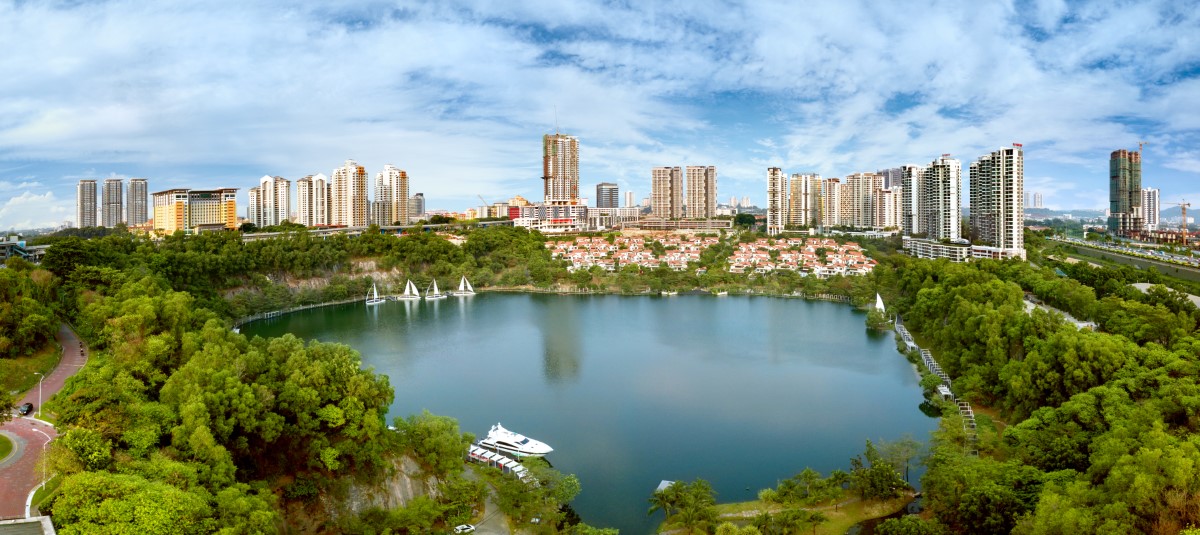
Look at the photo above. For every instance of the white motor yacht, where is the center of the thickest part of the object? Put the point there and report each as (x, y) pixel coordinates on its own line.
(505, 441)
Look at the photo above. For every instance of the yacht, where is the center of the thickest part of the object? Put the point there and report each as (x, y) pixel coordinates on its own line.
(374, 298)
(464, 287)
(432, 292)
(504, 441)
(410, 292)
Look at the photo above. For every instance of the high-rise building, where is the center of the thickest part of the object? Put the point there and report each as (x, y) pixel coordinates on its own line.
(831, 202)
(997, 197)
(608, 195)
(391, 197)
(891, 177)
(1037, 200)
(912, 211)
(269, 201)
(666, 192)
(941, 199)
(629, 203)
(187, 210)
(777, 200)
(136, 209)
(745, 202)
(560, 169)
(112, 204)
(862, 187)
(1125, 192)
(85, 203)
(1150, 208)
(701, 191)
(804, 200)
(349, 205)
(416, 205)
(312, 200)
(886, 205)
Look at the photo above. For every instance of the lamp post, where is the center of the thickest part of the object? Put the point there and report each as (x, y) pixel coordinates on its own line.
(41, 377)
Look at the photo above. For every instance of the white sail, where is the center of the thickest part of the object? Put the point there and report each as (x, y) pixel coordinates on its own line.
(373, 298)
(432, 291)
(464, 287)
(879, 302)
(410, 291)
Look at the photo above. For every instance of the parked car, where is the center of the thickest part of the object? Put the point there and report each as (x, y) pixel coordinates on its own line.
(25, 409)
(464, 528)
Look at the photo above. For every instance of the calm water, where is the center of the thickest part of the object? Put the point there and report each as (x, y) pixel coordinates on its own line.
(741, 391)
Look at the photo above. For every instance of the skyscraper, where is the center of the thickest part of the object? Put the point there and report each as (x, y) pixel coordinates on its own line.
(608, 195)
(912, 211)
(777, 200)
(312, 200)
(701, 191)
(560, 169)
(1037, 200)
(997, 197)
(891, 177)
(861, 199)
(348, 202)
(666, 192)
(416, 205)
(85, 203)
(1150, 208)
(629, 199)
(941, 198)
(1125, 192)
(804, 200)
(831, 202)
(391, 196)
(270, 201)
(112, 205)
(136, 206)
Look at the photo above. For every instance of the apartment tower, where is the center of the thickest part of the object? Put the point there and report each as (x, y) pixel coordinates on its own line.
(348, 202)
(312, 200)
(85, 203)
(912, 211)
(666, 192)
(831, 202)
(997, 200)
(804, 200)
(777, 200)
(701, 191)
(941, 199)
(1150, 208)
(416, 205)
(608, 195)
(270, 201)
(861, 200)
(560, 169)
(391, 197)
(1125, 192)
(112, 204)
(137, 197)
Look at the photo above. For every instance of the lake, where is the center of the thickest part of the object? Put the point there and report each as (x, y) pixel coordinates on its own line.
(629, 391)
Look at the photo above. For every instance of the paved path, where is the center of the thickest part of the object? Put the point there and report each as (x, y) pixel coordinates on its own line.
(20, 473)
(494, 522)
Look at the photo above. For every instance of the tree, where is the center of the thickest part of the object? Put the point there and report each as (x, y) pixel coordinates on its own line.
(435, 441)
(744, 220)
(873, 477)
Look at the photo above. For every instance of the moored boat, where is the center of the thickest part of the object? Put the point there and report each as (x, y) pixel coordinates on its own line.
(464, 287)
(432, 292)
(410, 292)
(505, 441)
(373, 298)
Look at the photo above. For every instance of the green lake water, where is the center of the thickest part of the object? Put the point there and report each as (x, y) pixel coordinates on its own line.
(629, 391)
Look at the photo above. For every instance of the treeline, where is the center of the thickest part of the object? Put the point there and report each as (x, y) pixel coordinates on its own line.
(1104, 436)
(27, 322)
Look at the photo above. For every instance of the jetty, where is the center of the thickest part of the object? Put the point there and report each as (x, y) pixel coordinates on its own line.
(931, 364)
(494, 459)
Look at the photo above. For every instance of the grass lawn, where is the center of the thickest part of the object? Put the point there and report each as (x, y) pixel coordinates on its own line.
(47, 491)
(6, 446)
(840, 520)
(17, 375)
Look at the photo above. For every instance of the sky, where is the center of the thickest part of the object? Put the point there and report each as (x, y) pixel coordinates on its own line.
(459, 93)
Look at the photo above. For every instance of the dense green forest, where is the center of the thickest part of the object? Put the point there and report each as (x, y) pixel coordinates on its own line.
(1096, 429)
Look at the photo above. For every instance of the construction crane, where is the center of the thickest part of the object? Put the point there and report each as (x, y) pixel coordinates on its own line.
(1140, 144)
(1183, 226)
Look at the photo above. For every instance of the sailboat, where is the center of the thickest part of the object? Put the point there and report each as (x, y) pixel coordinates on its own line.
(373, 298)
(464, 287)
(410, 292)
(432, 292)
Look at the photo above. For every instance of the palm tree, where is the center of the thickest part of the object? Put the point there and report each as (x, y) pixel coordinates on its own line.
(663, 500)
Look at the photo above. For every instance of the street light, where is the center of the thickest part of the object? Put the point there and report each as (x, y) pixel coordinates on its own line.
(41, 377)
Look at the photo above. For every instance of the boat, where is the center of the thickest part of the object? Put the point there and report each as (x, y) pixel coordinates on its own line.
(432, 292)
(502, 440)
(374, 298)
(410, 292)
(464, 287)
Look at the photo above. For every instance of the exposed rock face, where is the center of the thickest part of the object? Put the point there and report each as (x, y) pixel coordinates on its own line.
(396, 491)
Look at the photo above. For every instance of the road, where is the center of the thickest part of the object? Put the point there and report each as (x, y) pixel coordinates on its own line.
(494, 522)
(20, 474)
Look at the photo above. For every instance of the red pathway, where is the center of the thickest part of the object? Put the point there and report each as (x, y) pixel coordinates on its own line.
(20, 475)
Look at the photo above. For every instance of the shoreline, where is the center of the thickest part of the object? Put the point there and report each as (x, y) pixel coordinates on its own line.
(237, 323)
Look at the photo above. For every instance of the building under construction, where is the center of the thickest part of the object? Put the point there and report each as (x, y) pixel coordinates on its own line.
(1125, 193)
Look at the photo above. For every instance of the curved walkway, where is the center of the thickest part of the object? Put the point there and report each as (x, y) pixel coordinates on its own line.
(20, 473)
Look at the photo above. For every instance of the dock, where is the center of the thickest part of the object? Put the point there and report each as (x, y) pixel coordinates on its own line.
(506, 465)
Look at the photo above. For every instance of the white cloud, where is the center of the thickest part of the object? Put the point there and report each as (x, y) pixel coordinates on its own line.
(34, 210)
(458, 93)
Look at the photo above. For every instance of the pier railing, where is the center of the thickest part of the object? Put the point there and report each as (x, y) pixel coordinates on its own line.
(931, 364)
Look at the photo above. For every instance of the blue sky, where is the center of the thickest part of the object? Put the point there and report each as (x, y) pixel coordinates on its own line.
(458, 93)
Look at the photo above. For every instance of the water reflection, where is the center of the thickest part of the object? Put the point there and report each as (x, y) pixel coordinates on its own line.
(560, 338)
